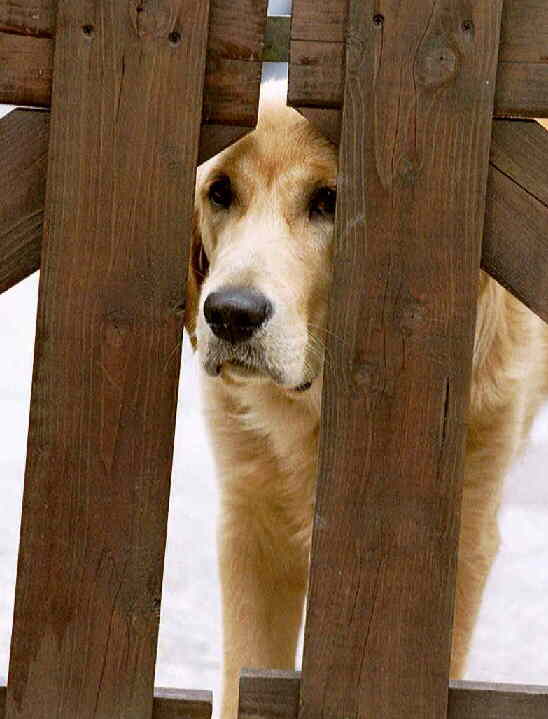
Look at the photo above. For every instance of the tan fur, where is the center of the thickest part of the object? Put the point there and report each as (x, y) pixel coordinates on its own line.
(265, 434)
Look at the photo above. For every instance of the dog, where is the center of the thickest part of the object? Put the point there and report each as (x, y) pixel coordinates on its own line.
(257, 298)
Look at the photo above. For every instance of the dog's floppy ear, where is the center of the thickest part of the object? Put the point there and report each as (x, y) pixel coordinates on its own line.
(198, 266)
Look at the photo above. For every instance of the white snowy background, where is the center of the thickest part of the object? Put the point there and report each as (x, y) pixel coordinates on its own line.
(511, 640)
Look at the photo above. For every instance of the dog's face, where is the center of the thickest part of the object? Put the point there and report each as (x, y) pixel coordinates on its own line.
(261, 257)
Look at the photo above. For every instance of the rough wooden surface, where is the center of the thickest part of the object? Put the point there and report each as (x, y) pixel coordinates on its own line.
(275, 695)
(515, 244)
(24, 153)
(233, 69)
(26, 64)
(317, 57)
(22, 17)
(475, 700)
(269, 694)
(118, 214)
(167, 704)
(401, 326)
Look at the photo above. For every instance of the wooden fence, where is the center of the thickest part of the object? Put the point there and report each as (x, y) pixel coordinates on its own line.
(140, 92)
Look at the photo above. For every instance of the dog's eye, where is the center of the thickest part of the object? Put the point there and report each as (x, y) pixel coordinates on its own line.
(322, 202)
(220, 193)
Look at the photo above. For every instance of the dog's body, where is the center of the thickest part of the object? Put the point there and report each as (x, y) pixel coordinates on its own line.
(257, 308)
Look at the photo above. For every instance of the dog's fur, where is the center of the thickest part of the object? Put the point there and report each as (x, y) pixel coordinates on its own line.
(265, 431)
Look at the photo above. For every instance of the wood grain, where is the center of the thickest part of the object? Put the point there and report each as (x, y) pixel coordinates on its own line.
(275, 695)
(317, 57)
(476, 700)
(515, 243)
(167, 704)
(26, 66)
(401, 327)
(123, 147)
(28, 18)
(24, 153)
(269, 694)
(233, 69)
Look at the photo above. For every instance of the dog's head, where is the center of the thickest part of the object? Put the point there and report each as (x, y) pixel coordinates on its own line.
(261, 253)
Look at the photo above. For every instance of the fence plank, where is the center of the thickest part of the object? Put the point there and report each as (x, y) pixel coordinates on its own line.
(317, 57)
(26, 64)
(275, 695)
(400, 340)
(233, 69)
(515, 245)
(167, 704)
(22, 17)
(269, 694)
(24, 153)
(475, 700)
(123, 145)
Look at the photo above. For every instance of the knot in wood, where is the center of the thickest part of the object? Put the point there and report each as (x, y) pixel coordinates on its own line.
(437, 62)
(152, 18)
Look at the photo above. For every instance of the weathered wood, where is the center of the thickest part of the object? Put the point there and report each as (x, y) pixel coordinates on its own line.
(317, 57)
(419, 85)
(275, 695)
(26, 63)
(123, 147)
(167, 704)
(28, 18)
(24, 153)
(515, 244)
(178, 704)
(316, 80)
(269, 694)
(233, 69)
(476, 700)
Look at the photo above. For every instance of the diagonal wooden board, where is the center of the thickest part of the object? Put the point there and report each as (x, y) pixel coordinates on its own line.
(122, 156)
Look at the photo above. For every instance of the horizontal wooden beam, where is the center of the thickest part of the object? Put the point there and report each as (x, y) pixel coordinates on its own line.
(317, 56)
(233, 70)
(168, 704)
(275, 695)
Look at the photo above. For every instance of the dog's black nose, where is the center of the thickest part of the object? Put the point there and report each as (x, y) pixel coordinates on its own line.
(235, 313)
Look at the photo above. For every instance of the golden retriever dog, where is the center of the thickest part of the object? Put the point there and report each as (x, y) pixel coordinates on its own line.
(257, 300)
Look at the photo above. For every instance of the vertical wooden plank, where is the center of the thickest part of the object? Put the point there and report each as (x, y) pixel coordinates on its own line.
(127, 99)
(413, 168)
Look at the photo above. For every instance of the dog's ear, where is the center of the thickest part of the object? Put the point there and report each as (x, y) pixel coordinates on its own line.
(198, 266)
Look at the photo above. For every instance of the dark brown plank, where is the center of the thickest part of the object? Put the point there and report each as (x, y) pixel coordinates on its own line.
(269, 694)
(324, 22)
(178, 704)
(24, 153)
(317, 57)
(524, 29)
(24, 17)
(167, 704)
(275, 695)
(316, 80)
(26, 63)
(515, 243)
(401, 327)
(475, 700)
(123, 147)
(233, 69)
